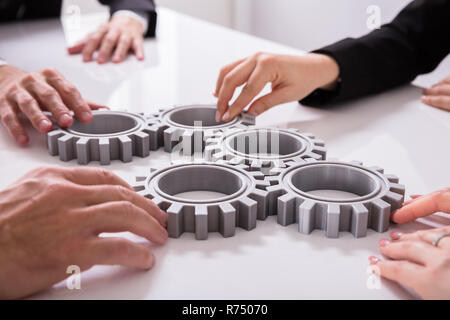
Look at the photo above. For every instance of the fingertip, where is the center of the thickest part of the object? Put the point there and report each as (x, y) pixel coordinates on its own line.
(226, 116)
(86, 117)
(22, 139)
(66, 120)
(373, 260)
(45, 126)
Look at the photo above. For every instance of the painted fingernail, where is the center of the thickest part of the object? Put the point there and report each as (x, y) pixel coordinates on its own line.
(45, 125)
(86, 116)
(395, 235)
(226, 116)
(22, 139)
(373, 260)
(65, 120)
(384, 242)
(218, 116)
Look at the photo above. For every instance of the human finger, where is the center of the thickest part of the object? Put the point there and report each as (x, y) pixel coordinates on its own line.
(11, 122)
(107, 45)
(122, 48)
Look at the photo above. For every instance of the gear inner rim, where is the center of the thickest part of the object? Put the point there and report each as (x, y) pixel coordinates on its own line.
(285, 138)
(373, 183)
(124, 122)
(222, 179)
(184, 117)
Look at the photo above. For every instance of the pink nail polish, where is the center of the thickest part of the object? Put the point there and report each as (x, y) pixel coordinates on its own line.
(384, 242)
(373, 260)
(395, 235)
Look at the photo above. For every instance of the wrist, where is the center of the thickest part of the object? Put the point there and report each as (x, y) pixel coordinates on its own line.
(326, 70)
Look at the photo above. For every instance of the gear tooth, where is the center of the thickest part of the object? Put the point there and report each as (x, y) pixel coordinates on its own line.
(314, 156)
(139, 185)
(380, 212)
(321, 151)
(242, 167)
(155, 133)
(377, 169)
(234, 161)
(262, 184)
(248, 209)
(309, 160)
(306, 217)
(392, 178)
(210, 151)
(52, 141)
(256, 165)
(187, 142)
(333, 215)
(319, 142)
(125, 149)
(248, 119)
(262, 200)
(286, 209)
(227, 220)
(172, 137)
(104, 151)
(65, 147)
(175, 220)
(256, 174)
(218, 156)
(141, 178)
(144, 193)
(83, 150)
(142, 144)
(360, 219)
(201, 222)
(356, 162)
(397, 188)
(274, 192)
(395, 199)
(272, 180)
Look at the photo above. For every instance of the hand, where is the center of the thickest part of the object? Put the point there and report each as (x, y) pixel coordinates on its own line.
(51, 218)
(439, 95)
(292, 78)
(416, 263)
(115, 38)
(31, 93)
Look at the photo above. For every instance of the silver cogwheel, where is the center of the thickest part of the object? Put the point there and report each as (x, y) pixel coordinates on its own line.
(367, 199)
(188, 126)
(111, 135)
(243, 197)
(263, 149)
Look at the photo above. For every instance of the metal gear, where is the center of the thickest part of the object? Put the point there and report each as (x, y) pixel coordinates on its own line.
(264, 149)
(190, 125)
(244, 197)
(111, 135)
(293, 196)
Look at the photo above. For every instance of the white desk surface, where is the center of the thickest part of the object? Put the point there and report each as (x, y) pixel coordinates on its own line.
(394, 130)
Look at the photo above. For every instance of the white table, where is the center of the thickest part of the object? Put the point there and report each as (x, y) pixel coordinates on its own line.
(393, 130)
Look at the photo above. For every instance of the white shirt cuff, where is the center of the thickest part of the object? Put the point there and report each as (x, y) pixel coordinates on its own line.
(2, 62)
(139, 16)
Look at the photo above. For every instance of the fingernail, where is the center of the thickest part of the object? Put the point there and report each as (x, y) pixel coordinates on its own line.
(45, 125)
(65, 120)
(22, 139)
(423, 97)
(164, 218)
(164, 236)
(395, 235)
(373, 260)
(214, 94)
(226, 116)
(384, 242)
(86, 116)
(218, 116)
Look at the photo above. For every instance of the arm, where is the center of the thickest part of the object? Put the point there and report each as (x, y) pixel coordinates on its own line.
(412, 44)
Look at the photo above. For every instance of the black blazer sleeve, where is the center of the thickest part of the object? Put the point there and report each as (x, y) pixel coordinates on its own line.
(415, 42)
(147, 6)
